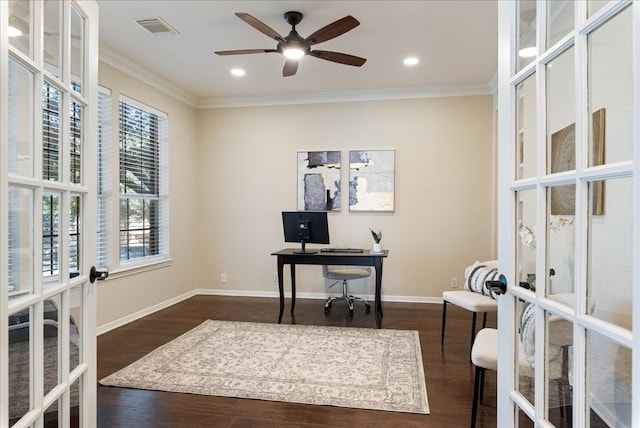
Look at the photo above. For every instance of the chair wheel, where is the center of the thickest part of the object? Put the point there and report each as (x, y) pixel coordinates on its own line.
(327, 308)
(367, 308)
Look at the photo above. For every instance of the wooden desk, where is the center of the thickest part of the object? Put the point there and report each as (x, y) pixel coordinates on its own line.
(365, 258)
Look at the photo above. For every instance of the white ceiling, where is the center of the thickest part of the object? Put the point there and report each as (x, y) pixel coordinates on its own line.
(456, 42)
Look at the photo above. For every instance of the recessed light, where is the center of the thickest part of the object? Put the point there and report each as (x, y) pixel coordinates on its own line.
(412, 60)
(238, 72)
(529, 52)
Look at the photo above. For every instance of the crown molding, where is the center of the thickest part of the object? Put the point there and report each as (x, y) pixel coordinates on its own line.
(126, 65)
(349, 96)
(130, 67)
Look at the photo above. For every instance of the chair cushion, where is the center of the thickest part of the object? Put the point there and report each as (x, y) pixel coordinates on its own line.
(485, 353)
(470, 301)
(346, 273)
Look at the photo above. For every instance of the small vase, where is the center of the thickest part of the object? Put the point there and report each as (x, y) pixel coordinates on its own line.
(377, 248)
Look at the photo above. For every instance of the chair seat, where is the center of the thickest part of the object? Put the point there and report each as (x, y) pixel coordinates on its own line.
(485, 353)
(347, 274)
(470, 301)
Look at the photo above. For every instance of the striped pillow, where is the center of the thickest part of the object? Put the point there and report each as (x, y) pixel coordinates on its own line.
(478, 273)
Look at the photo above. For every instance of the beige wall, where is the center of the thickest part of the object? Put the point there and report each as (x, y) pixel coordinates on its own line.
(444, 196)
(233, 170)
(121, 297)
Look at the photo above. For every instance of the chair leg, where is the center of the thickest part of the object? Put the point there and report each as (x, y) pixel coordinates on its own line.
(476, 391)
(473, 331)
(444, 320)
(484, 320)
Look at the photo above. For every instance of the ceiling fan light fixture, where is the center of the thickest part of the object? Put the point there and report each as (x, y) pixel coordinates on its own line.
(17, 27)
(528, 52)
(293, 53)
(412, 60)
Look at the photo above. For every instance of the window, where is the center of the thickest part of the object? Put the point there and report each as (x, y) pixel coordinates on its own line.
(142, 195)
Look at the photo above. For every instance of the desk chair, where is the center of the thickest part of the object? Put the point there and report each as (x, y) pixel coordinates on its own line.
(344, 274)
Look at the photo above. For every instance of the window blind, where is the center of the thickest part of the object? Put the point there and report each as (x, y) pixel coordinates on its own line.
(105, 180)
(143, 181)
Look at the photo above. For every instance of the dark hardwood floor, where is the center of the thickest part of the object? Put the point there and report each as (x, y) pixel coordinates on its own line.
(448, 372)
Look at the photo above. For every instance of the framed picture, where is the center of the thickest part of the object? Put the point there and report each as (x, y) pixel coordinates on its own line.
(372, 180)
(563, 152)
(319, 181)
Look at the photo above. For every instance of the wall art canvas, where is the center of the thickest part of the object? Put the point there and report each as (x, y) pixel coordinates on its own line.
(372, 180)
(563, 149)
(319, 181)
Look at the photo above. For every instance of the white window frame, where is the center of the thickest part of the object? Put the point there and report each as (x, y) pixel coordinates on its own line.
(108, 242)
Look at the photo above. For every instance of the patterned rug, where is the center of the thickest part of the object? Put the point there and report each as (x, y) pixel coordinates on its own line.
(336, 366)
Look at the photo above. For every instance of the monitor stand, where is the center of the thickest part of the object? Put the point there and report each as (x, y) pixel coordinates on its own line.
(303, 251)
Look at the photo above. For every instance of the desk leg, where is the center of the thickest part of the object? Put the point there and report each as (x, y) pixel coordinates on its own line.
(293, 287)
(281, 287)
(378, 295)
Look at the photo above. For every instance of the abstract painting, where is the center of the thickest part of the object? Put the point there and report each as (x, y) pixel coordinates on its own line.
(371, 180)
(563, 148)
(319, 181)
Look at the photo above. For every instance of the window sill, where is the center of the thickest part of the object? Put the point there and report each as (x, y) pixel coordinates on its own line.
(135, 268)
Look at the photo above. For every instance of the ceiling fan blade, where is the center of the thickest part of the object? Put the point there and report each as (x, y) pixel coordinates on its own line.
(338, 57)
(244, 51)
(260, 26)
(290, 67)
(332, 30)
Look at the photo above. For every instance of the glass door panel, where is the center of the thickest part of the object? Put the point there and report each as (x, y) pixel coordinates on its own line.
(525, 348)
(610, 94)
(560, 21)
(526, 128)
(77, 53)
(20, 25)
(52, 42)
(51, 237)
(558, 373)
(527, 34)
(51, 132)
(526, 243)
(52, 342)
(75, 327)
(608, 381)
(20, 234)
(21, 122)
(610, 257)
(20, 358)
(561, 113)
(560, 233)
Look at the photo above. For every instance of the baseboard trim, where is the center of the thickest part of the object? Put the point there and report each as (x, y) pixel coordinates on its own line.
(143, 313)
(244, 293)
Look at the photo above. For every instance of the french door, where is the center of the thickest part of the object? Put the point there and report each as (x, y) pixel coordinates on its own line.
(48, 92)
(569, 221)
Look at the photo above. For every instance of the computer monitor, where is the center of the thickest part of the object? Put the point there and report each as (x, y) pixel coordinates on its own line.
(305, 227)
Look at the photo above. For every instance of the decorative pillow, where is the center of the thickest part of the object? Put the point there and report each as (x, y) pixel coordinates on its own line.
(478, 273)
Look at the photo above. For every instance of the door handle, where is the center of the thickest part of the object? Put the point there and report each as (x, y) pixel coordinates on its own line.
(100, 275)
(499, 286)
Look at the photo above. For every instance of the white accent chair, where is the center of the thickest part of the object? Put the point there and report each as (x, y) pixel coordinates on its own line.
(484, 355)
(344, 274)
(470, 301)
(474, 301)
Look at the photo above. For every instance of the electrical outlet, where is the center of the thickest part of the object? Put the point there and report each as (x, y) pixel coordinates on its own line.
(275, 277)
(223, 278)
(454, 282)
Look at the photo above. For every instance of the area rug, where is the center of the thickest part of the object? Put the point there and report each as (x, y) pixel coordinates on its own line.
(337, 366)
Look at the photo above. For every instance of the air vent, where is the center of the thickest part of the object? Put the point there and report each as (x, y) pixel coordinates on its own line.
(156, 26)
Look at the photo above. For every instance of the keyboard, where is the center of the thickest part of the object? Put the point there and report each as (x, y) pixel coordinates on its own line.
(340, 250)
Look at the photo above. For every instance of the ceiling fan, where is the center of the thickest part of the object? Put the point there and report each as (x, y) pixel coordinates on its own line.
(294, 47)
